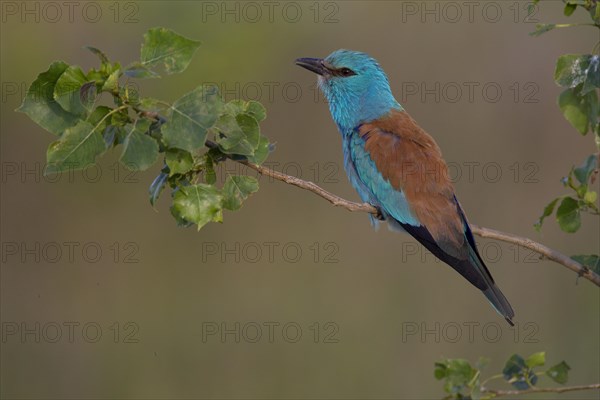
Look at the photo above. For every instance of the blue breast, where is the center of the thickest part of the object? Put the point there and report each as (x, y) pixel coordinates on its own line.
(370, 184)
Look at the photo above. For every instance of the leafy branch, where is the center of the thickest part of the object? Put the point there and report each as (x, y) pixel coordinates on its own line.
(579, 75)
(464, 381)
(64, 100)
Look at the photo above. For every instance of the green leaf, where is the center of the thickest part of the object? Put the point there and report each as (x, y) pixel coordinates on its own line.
(585, 170)
(459, 374)
(592, 261)
(536, 359)
(237, 189)
(513, 367)
(559, 373)
(150, 104)
(163, 46)
(254, 108)
(262, 151)
(573, 70)
(592, 75)
(137, 70)
(517, 373)
(157, 186)
(574, 110)
(190, 117)
(140, 150)
(103, 58)
(199, 204)
(67, 91)
(112, 82)
(568, 215)
(569, 9)
(237, 135)
(541, 29)
(590, 197)
(440, 371)
(178, 161)
(98, 117)
(567, 72)
(39, 103)
(547, 212)
(77, 148)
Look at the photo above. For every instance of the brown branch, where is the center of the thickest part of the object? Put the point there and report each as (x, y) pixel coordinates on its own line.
(539, 248)
(542, 390)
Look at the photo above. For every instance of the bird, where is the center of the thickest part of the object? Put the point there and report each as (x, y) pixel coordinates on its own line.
(397, 167)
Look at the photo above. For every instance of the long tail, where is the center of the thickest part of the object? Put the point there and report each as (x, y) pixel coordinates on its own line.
(492, 291)
(472, 268)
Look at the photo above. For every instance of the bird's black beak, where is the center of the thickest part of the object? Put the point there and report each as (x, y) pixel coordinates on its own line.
(315, 65)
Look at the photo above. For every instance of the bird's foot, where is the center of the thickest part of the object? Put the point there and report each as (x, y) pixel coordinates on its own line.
(379, 214)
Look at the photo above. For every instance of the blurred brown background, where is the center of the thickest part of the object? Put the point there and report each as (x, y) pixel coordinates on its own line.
(142, 298)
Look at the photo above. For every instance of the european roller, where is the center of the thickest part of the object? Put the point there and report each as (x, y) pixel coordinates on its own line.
(397, 167)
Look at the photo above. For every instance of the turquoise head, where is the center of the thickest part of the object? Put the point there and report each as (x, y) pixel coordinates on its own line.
(355, 86)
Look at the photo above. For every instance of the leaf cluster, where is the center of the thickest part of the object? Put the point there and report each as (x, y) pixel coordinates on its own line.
(463, 380)
(64, 101)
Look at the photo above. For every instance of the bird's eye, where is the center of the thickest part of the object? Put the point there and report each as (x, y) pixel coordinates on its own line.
(346, 72)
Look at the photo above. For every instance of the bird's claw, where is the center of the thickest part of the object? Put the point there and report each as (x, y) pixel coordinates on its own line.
(379, 214)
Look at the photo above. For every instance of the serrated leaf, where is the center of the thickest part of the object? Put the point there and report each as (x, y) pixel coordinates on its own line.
(190, 117)
(237, 135)
(559, 373)
(163, 46)
(39, 103)
(585, 170)
(67, 91)
(592, 261)
(568, 215)
(574, 110)
(77, 148)
(237, 189)
(140, 150)
(547, 212)
(178, 161)
(157, 186)
(541, 29)
(137, 70)
(536, 359)
(199, 204)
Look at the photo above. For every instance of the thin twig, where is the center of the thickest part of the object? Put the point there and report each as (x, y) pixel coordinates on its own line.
(539, 248)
